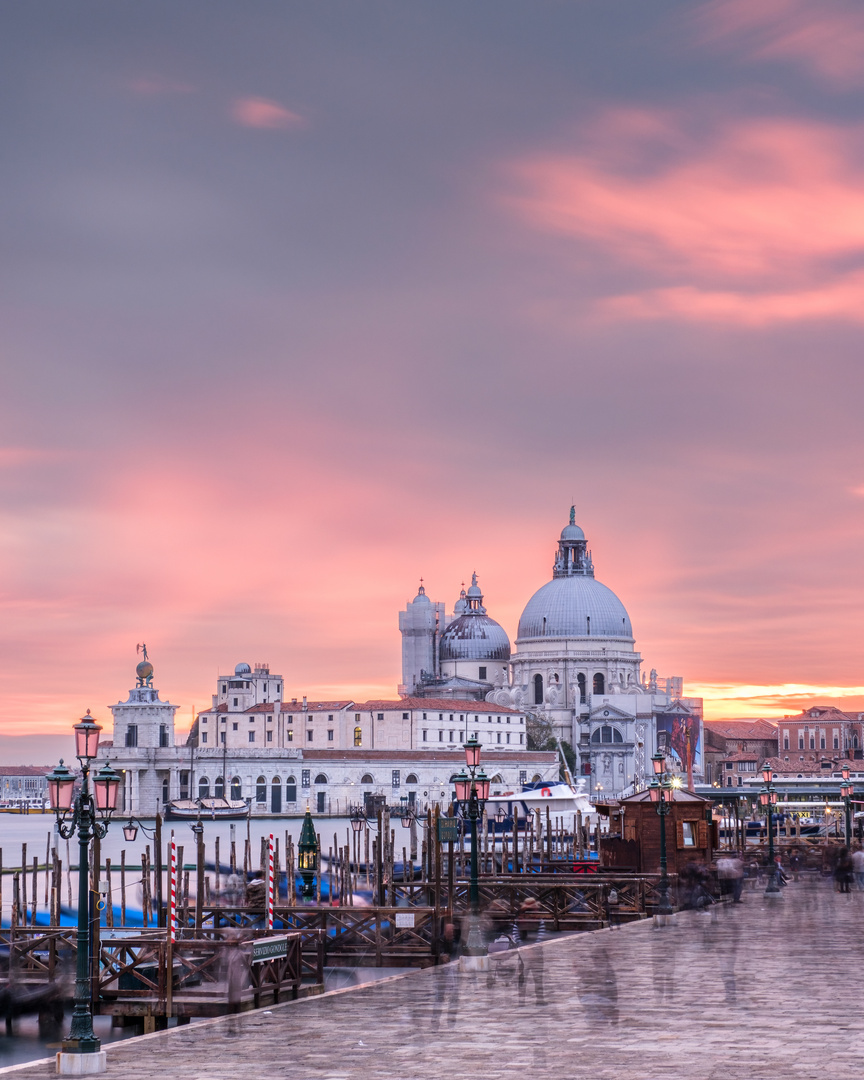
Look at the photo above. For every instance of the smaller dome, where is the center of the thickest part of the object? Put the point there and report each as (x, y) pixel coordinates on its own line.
(421, 597)
(474, 637)
(572, 532)
(144, 670)
(242, 669)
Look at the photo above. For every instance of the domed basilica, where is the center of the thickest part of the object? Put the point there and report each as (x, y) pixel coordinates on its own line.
(575, 666)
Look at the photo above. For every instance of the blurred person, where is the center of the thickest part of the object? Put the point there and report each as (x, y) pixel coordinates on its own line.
(858, 867)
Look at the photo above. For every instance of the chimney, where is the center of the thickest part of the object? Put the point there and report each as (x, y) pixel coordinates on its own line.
(304, 703)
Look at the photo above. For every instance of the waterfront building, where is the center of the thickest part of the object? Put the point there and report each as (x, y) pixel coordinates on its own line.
(575, 666)
(23, 786)
(329, 754)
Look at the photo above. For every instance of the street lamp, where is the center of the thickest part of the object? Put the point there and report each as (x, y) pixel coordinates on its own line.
(660, 792)
(307, 855)
(472, 791)
(846, 791)
(82, 1042)
(768, 799)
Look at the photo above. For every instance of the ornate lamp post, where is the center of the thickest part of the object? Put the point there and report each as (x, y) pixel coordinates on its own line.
(307, 855)
(846, 791)
(472, 791)
(662, 794)
(768, 799)
(82, 1052)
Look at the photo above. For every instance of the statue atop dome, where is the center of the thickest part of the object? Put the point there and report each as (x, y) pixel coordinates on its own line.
(144, 670)
(573, 556)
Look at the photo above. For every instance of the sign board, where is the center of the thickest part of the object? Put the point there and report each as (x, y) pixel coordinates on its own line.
(448, 830)
(404, 918)
(269, 948)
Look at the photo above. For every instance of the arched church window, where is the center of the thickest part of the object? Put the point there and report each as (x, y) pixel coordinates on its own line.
(219, 788)
(320, 778)
(367, 778)
(203, 788)
(538, 689)
(236, 789)
(261, 789)
(291, 789)
(599, 683)
(411, 778)
(358, 736)
(165, 791)
(580, 679)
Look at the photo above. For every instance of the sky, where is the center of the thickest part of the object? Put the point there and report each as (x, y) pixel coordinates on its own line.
(302, 302)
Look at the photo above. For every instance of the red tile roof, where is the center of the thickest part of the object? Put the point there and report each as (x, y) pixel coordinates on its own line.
(448, 705)
(27, 770)
(743, 729)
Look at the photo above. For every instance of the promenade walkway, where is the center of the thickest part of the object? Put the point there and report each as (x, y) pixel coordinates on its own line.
(767, 990)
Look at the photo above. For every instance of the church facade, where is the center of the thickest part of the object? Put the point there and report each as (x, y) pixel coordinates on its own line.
(574, 666)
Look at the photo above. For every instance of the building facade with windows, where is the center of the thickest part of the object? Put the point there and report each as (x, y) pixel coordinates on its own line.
(329, 754)
(575, 666)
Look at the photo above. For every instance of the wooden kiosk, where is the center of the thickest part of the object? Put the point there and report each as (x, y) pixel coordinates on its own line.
(633, 842)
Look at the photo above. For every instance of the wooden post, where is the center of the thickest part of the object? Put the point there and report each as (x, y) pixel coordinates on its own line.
(47, 862)
(157, 840)
(35, 890)
(218, 868)
(16, 901)
(24, 883)
(109, 900)
(123, 887)
(199, 880)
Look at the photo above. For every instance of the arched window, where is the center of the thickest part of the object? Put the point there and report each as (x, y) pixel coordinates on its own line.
(236, 789)
(538, 689)
(219, 788)
(536, 778)
(599, 683)
(276, 795)
(366, 778)
(290, 790)
(203, 788)
(320, 778)
(855, 741)
(358, 736)
(606, 734)
(411, 779)
(261, 789)
(580, 679)
(166, 797)
(496, 779)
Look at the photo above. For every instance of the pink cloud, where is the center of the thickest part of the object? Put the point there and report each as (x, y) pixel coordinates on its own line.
(256, 112)
(757, 215)
(842, 299)
(826, 37)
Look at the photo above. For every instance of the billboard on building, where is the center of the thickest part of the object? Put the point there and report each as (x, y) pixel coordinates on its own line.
(679, 735)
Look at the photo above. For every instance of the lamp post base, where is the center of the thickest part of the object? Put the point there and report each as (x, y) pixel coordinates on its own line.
(81, 1064)
(472, 962)
(773, 890)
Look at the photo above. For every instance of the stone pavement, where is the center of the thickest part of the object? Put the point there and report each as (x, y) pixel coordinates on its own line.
(768, 990)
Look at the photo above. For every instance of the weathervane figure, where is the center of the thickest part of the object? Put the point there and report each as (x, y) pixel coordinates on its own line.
(142, 649)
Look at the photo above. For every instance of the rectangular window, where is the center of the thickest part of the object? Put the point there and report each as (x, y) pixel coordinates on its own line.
(508, 736)
(251, 736)
(481, 673)
(224, 687)
(269, 719)
(404, 715)
(425, 738)
(356, 717)
(290, 719)
(235, 701)
(358, 736)
(440, 736)
(330, 718)
(521, 738)
(203, 719)
(812, 742)
(424, 715)
(451, 734)
(310, 735)
(269, 736)
(836, 743)
(499, 736)
(688, 834)
(800, 742)
(821, 742)
(132, 735)
(204, 737)
(523, 776)
(786, 741)
(289, 736)
(329, 734)
(395, 778)
(224, 737)
(236, 727)
(380, 715)
(305, 777)
(251, 719)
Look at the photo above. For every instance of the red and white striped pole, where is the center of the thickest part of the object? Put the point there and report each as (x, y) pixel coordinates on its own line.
(172, 896)
(270, 884)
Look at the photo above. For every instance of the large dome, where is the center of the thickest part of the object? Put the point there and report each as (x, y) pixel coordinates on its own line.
(564, 606)
(474, 637)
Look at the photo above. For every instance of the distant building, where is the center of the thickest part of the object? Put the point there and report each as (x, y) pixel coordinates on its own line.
(734, 748)
(24, 786)
(575, 666)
